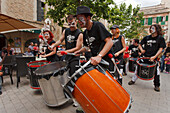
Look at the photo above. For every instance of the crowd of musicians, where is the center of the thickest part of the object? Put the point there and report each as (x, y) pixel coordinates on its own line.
(100, 42)
(97, 43)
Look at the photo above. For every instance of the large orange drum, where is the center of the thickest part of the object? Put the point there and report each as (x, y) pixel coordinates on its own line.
(96, 91)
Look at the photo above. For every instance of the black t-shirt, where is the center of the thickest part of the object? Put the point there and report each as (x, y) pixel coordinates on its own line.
(152, 45)
(71, 41)
(95, 37)
(134, 50)
(117, 46)
(71, 38)
(54, 57)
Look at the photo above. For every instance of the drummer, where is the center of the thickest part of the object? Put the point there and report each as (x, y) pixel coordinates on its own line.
(119, 47)
(153, 46)
(49, 53)
(134, 51)
(95, 37)
(73, 40)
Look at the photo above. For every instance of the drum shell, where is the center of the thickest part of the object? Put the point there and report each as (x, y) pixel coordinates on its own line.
(145, 72)
(132, 64)
(32, 76)
(52, 90)
(51, 82)
(101, 93)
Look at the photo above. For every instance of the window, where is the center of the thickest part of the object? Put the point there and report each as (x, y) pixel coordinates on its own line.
(154, 20)
(146, 21)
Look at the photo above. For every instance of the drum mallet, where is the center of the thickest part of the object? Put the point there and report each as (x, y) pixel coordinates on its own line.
(113, 60)
(45, 40)
(65, 53)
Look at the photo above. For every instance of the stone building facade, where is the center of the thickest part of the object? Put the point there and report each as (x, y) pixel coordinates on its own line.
(158, 14)
(27, 11)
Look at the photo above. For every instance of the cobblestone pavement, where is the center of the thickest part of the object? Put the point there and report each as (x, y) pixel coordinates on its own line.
(27, 100)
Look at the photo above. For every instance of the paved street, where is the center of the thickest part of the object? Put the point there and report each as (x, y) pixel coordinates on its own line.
(27, 100)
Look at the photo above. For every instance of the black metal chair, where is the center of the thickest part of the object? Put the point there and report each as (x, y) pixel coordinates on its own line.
(8, 66)
(22, 69)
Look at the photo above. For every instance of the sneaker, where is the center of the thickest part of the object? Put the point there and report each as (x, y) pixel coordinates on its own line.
(131, 82)
(0, 92)
(157, 89)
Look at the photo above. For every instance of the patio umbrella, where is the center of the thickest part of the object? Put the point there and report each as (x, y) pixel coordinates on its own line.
(8, 23)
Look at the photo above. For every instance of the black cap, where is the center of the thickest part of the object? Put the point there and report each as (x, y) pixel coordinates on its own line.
(83, 10)
(114, 27)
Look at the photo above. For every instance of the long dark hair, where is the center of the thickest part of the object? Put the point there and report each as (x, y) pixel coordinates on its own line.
(158, 29)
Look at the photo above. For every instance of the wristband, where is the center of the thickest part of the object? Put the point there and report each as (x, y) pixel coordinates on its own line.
(100, 55)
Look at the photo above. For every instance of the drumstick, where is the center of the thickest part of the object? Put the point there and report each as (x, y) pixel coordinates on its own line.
(45, 40)
(113, 60)
(65, 53)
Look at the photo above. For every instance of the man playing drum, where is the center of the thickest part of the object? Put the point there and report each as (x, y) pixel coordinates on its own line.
(153, 46)
(95, 37)
(119, 47)
(73, 40)
(134, 51)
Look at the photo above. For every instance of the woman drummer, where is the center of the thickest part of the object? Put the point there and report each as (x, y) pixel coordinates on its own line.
(119, 47)
(50, 54)
(153, 46)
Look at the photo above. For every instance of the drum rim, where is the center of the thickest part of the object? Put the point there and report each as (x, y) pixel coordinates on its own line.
(146, 58)
(51, 72)
(144, 78)
(29, 64)
(133, 60)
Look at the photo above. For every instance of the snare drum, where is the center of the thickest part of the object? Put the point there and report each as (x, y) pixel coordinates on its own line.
(50, 80)
(132, 64)
(145, 68)
(97, 92)
(32, 66)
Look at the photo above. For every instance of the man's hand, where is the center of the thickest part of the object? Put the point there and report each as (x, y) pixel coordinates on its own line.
(95, 60)
(152, 58)
(139, 54)
(142, 51)
(77, 53)
(43, 56)
(116, 54)
(59, 53)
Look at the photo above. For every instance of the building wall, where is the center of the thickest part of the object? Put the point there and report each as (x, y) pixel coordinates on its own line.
(25, 36)
(22, 9)
(166, 2)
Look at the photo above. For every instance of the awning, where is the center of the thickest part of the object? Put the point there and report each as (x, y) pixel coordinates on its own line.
(8, 23)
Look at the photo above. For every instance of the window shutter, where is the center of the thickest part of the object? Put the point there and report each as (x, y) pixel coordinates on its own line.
(157, 20)
(167, 18)
(150, 21)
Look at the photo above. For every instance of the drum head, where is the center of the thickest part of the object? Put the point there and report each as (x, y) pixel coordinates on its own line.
(50, 68)
(146, 62)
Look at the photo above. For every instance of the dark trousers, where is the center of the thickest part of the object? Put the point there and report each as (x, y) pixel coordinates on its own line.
(73, 66)
(156, 78)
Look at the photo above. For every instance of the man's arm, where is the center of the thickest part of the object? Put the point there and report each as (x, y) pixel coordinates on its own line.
(59, 41)
(157, 54)
(108, 45)
(141, 49)
(78, 44)
(123, 49)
